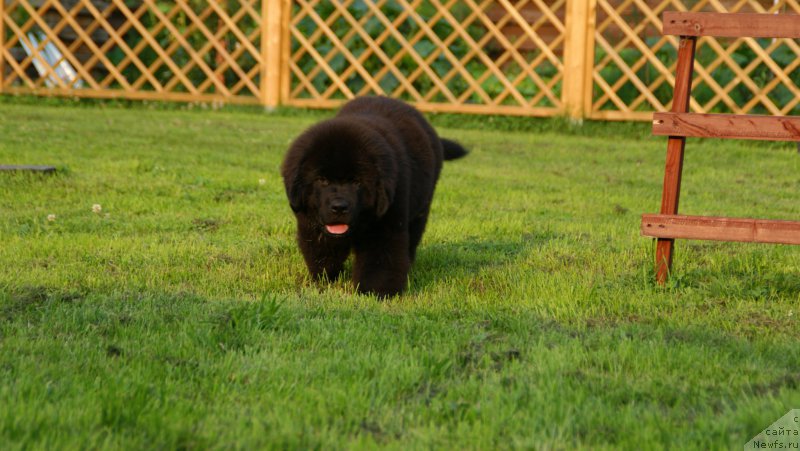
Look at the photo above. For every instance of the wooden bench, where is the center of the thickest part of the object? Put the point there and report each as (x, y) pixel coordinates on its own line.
(680, 124)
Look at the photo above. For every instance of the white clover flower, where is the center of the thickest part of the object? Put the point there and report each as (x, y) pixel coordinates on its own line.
(51, 217)
(262, 181)
(96, 208)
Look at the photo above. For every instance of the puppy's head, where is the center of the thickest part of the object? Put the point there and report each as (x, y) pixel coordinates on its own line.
(337, 171)
(337, 205)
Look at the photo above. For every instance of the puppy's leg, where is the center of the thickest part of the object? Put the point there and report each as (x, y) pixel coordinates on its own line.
(415, 231)
(381, 264)
(324, 256)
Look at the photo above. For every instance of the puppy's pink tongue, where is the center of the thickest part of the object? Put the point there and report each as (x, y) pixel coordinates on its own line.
(336, 229)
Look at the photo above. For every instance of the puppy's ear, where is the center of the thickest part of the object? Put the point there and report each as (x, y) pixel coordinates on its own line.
(293, 183)
(296, 194)
(384, 197)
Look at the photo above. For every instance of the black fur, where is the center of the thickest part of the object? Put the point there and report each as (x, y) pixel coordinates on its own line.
(363, 181)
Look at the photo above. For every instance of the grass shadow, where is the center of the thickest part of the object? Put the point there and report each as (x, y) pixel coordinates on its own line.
(470, 256)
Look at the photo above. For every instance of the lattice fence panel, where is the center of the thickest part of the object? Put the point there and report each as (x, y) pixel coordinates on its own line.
(485, 56)
(634, 63)
(189, 50)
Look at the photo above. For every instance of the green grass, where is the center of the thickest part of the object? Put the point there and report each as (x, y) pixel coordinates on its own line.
(180, 316)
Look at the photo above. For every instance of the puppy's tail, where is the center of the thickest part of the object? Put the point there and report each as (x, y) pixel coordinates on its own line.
(452, 149)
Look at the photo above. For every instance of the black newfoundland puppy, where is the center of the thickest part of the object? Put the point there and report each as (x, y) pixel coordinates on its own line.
(363, 181)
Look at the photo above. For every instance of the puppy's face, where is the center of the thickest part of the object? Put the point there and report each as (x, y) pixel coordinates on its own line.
(336, 204)
(338, 173)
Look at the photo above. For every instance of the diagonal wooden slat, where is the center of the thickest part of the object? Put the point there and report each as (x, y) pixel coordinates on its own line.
(474, 85)
(131, 54)
(170, 50)
(20, 69)
(322, 64)
(232, 26)
(315, 36)
(405, 84)
(425, 68)
(94, 27)
(407, 46)
(85, 39)
(493, 68)
(375, 49)
(513, 52)
(452, 59)
(216, 45)
(154, 8)
(241, 50)
(39, 21)
(143, 32)
(339, 47)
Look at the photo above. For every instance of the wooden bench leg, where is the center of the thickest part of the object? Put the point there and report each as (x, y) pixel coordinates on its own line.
(664, 248)
(675, 146)
(669, 204)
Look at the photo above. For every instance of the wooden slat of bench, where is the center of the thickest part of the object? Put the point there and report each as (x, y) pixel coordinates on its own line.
(721, 229)
(741, 126)
(734, 25)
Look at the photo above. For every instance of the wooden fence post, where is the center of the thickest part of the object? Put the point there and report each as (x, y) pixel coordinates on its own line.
(675, 146)
(271, 37)
(2, 44)
(576, 91)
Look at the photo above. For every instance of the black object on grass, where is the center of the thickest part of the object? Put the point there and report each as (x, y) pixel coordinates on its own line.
(27, 168)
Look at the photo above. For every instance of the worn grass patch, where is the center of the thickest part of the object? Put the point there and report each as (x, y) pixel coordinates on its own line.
(180, 314)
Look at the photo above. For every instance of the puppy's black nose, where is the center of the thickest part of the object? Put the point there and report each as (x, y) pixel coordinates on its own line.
(340, 206)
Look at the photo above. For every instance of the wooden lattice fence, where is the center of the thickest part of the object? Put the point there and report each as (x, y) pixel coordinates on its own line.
(450, 55)
(601, 59)
(200, 51)
(634, 62)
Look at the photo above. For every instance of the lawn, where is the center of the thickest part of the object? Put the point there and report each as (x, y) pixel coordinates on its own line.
(178, 314)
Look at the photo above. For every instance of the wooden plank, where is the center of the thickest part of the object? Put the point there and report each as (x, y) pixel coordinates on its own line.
(2, 44)
(721, 229)
(286, 51)
(27, 168)
(580, 29)
(588, 62)
(765, 128)
(133, 95)
(271, 21)
(673, 168)
(733, 25)
(785, 232)
(436, 107)
(609, 115)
